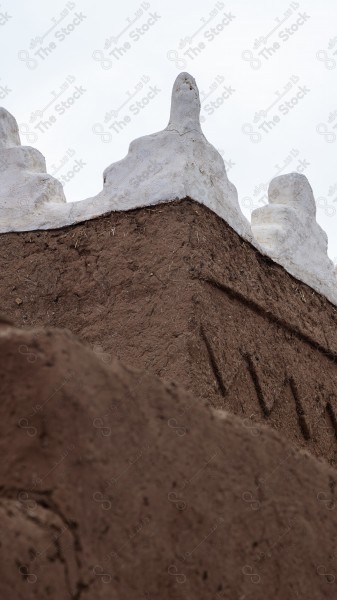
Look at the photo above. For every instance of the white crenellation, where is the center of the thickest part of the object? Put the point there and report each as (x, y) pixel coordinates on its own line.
(287, 231)
(172, 164)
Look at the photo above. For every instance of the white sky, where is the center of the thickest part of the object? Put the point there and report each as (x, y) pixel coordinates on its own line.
(261, 50)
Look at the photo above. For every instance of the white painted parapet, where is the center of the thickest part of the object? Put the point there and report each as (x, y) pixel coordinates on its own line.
(172, 164)
(288, 232)
(176, 163)
(25, 186)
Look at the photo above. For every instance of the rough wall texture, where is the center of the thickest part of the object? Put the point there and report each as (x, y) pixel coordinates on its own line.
(173, 289)
(103, 497)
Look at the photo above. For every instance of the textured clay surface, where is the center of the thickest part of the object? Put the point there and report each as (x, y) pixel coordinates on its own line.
(174, 290)
(119, 486)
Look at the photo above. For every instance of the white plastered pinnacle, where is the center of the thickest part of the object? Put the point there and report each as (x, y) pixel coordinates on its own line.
(25, 186)
(288, 232)
(172, 164)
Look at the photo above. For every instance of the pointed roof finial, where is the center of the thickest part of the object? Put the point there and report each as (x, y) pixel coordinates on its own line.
(185, 105)
(287, 230)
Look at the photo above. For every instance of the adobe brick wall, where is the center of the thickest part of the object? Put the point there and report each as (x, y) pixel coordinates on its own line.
(174, 290)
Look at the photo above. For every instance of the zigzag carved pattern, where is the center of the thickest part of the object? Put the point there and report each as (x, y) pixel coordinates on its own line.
(248, 364)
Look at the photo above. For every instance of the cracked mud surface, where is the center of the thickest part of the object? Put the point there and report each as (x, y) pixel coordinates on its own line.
(174, 290)
(121, 486)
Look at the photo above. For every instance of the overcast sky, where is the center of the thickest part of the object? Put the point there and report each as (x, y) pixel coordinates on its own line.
(84, 79)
